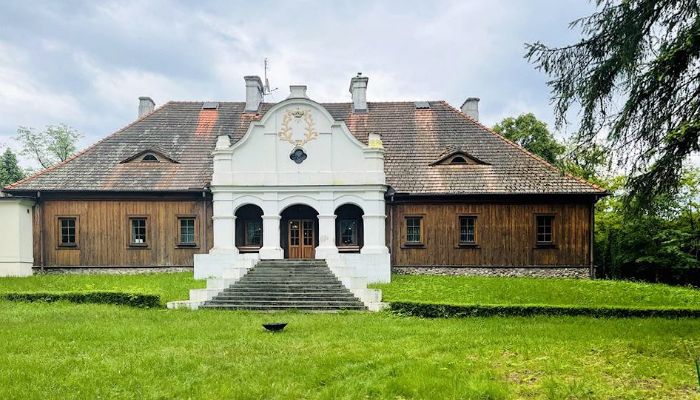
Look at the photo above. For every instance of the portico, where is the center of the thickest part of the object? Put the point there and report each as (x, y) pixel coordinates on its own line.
(299, 185)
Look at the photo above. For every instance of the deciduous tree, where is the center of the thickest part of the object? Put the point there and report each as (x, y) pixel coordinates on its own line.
(531, 133)
(52, 145)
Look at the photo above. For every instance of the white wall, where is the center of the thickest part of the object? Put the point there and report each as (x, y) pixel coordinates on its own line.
(16, 258)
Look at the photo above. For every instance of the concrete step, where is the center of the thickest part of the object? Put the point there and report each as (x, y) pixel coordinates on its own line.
(283, 285)
(292, 303)
(275, 297)
(281, 308)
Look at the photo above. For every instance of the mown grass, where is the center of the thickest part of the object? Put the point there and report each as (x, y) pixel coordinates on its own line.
(461, 290)
(169, 286)
(97, 351)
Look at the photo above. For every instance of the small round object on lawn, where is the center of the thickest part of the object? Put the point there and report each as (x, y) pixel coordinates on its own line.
(275, 326)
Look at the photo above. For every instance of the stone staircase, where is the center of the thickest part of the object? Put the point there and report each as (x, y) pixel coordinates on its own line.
(272, 285)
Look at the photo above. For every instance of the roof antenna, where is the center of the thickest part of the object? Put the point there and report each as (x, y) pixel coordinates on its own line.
(266, 87)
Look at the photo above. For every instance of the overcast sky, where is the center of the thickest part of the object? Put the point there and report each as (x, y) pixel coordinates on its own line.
(86, 63)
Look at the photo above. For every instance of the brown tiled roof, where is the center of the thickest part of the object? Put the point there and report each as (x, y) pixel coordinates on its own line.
(414, 139)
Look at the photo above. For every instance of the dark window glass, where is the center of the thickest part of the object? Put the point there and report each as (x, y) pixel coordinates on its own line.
(413, 230)
(187, 230)
(467, 230)
(308, 233)
(545, 225)
(150, 158)
(348, 232)
(458, 160)
(253, 233)
(67, 227)
(294, 233)
(138, 231)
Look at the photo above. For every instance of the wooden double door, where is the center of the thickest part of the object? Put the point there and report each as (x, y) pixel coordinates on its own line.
(301, 238)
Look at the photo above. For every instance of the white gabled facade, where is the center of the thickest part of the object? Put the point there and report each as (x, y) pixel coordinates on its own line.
(332, 168)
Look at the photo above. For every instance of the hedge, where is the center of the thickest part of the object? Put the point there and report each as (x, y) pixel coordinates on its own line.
(427, 310)
(97, 297)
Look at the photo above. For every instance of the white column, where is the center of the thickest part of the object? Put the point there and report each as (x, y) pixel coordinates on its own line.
(326, 237)
(271, 238)
(224, 235)
(374, 234)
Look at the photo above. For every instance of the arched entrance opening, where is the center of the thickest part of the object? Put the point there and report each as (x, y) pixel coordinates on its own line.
(249, 228)
(299, 232)
(349, 236)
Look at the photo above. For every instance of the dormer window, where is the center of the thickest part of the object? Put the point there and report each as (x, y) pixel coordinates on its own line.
(149, 156)
(458, 160)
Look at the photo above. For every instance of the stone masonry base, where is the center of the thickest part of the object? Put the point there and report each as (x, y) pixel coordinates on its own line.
(107, 270)
(539, 272)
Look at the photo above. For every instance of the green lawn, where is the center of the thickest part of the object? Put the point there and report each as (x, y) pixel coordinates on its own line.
(98, 351)
(170, 286)
(485, 290)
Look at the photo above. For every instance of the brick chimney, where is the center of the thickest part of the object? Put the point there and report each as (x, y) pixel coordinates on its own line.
(358, 89)
(146, 106)
(253, 93)
(471, 107)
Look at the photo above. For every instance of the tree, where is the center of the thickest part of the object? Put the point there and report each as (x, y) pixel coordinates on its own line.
(660, 244)
(10, 171)
(636, 77)
(587, 163)
(531, 133)
(51, 146)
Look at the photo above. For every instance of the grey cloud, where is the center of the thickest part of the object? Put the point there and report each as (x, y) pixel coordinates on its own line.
(85, 63)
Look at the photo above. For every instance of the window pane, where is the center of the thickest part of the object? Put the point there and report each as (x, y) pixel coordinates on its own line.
(138, 230)
(544, 228)
(294, 233)
(467, 230)
(187, 230)
(348, 232)
(253, 233)
(413, 230)
(67, 228)
(308, 233)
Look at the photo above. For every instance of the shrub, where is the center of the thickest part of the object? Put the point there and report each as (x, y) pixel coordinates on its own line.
(427, 310)
(97, 297)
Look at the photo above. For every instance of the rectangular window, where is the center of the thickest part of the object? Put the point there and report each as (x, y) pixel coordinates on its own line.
(187, 229)
(414, 230)
(253, 233)
(348, 232)
(467, 230)
(545, 229)
(67, 232)
(138, 231)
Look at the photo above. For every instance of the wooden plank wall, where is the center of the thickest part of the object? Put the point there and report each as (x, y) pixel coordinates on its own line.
(505, 235)
(103, 232)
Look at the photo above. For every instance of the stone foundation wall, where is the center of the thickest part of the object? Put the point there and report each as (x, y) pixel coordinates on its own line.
(538, 272)
(107, 270)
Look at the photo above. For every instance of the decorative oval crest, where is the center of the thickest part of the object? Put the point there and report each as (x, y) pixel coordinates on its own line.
(296, 117)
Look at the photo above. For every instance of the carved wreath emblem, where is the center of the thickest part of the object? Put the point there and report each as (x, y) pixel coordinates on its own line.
(293, 117)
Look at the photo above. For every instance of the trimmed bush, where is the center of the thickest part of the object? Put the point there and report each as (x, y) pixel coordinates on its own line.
(95, 297)
(427, 310)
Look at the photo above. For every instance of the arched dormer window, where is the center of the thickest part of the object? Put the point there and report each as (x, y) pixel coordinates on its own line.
(458, 160)
(149, 156)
